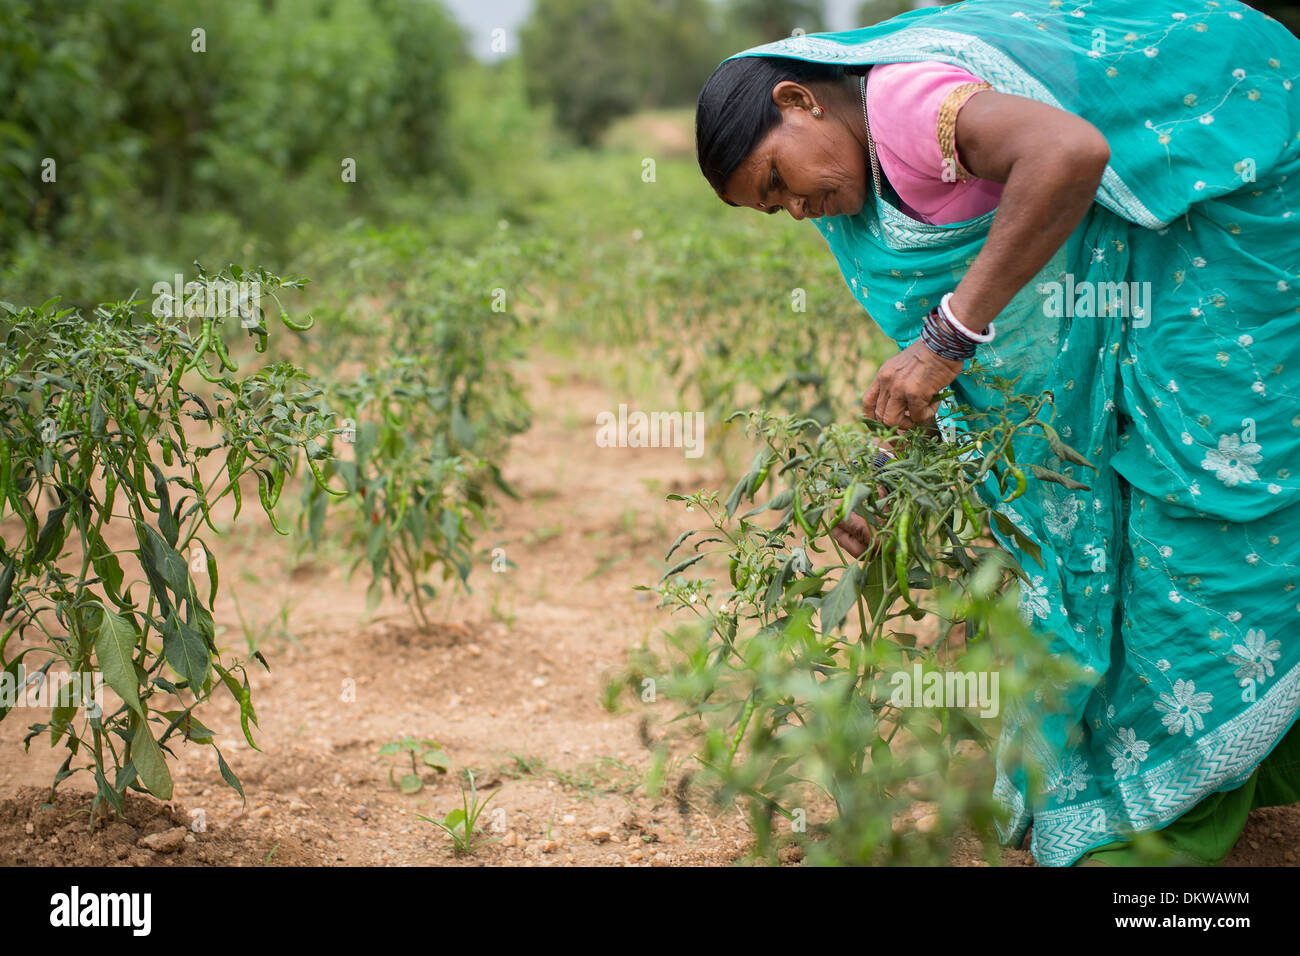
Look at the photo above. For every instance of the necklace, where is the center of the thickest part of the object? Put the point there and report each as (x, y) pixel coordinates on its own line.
(871, 142)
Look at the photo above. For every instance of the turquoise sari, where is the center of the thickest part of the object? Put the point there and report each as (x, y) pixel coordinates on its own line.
(1172, 580)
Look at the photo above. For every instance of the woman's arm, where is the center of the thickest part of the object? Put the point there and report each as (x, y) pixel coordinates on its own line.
(1051, 163)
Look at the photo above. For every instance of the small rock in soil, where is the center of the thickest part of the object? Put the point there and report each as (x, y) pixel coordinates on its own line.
(599, 834)
(169, 841)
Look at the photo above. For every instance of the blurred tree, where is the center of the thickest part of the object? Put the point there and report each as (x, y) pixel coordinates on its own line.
(596, 60)
(152, 110)
(686, 42)
(871, 12)
(774, 19)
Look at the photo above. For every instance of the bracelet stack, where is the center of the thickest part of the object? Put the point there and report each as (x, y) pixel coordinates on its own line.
(947, 337)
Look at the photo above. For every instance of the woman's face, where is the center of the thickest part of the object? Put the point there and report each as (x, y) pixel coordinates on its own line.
(807, 166)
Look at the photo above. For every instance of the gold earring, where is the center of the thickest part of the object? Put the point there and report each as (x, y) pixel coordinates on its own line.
(817, 112)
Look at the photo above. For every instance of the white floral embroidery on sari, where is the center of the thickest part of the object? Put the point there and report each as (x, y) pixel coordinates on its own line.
(1128, 751)
(1232, 461)
(1183, 708)
(1033, 600)
(1254, 658)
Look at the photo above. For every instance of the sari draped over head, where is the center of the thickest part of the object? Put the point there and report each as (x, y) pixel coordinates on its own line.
(1172, 580)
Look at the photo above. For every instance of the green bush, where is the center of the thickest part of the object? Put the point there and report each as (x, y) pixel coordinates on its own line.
(112, 571)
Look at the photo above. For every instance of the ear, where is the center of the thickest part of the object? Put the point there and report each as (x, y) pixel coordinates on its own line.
(791, 95)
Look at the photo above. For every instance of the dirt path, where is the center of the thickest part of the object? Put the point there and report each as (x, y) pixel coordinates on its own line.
(510, 685)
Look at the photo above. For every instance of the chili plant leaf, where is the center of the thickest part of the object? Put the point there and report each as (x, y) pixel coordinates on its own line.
(681, 566)
(229, 775)
(147, 758)
(115, 649)
(185, 650)
(1046, 474)
(836, 605)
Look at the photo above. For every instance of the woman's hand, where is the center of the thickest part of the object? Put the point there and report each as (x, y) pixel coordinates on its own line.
(902, 394)
(854, 534)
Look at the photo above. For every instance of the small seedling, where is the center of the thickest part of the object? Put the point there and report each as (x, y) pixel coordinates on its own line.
(460, 823)
(425, 752)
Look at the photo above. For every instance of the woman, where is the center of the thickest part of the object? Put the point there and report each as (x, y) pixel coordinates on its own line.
(1006, 182)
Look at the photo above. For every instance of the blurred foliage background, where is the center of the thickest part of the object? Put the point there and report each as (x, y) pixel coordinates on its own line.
(184, 128)
(209, 128)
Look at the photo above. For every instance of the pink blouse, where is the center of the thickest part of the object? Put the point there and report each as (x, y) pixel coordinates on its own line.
(912, 109)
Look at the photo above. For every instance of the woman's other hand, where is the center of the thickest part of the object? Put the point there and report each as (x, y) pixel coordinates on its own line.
(902, 394)
(854, 535)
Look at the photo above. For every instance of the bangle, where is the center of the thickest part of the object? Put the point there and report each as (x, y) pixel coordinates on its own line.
(946, 311)
(943, 340)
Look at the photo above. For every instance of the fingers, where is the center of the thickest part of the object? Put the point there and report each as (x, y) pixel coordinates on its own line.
(848, 542)
(887, 404)
(869, 400)
(853, 535)
(920, 408)
(895, 410)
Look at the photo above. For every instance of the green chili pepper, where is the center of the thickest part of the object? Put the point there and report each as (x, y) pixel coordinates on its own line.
(320, 480)
(1021, 483)
(219, 345)
(901, 552)
(745, 715)
(264, 493)
(200, 346)
(201, 367)
(800, 519)
(296, 326)
(968, 510)
(842, 514)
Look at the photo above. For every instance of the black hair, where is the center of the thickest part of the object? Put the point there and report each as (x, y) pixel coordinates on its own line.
(735, 109)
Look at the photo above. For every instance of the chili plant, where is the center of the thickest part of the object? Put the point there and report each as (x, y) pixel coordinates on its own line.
(788, 675)
(425, 430)
(108, 560)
